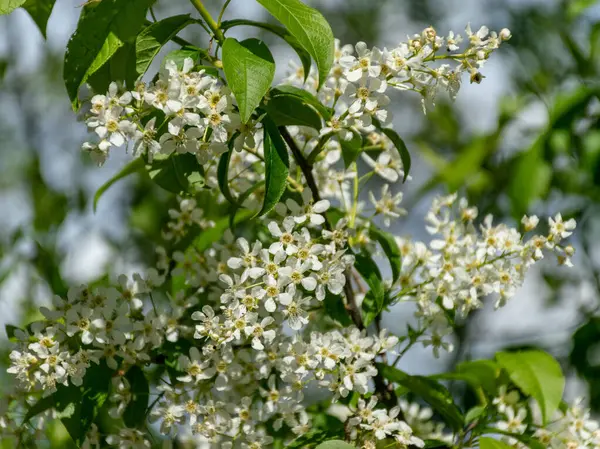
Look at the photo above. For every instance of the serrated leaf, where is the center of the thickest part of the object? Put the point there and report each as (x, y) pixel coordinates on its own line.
(135, 412)
(249, 69)
(177, 173)
(279, 31)
(132, 167)
(149, 42)
(434, 393)
(102, 29)
(374, 300)
(40, 11)
(309, 27)
(538, 375)
(491, 443)
(287, 110)
(276, 166)
(335, 444)
(8, 6)
(390, 248)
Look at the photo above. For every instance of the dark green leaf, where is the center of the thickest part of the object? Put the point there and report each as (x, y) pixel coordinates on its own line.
(305, 96)
(285, 109)
(241, 200)
(178, 173)
(530, 442)
(402, 150)
(433, 444)
(10, 331)
(309, 27)
(249, 69)
(149, 42)
(335, 444)
(178, 57)
(223, 175)
(375, 299)
(434, 393)
(390, 248)
(538, 375)
(103, 28)
(276, 166)
(335, 309)
(8, 6)
(208, 236)
(279, 31)
(310, 439)
(40, 11)
(132, 167)
(135, 413)
(351, 148)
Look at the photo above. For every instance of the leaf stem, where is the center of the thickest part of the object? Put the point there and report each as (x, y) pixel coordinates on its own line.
(220, 19)
(209, 20)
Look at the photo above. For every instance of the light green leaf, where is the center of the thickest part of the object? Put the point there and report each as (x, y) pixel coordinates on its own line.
(491, 443)
(135, 412)
(474, 413)
(310, 439)
(390, 248)
(276, 166)
(285, 109)
(178, 173)
(434, 393)
(335, 444)
(208, 236)
(249, 69)
(179, 55)
(8, 6)
(103, 28)
(309, 27)
(149, 42)
(538, 375)
(477, 373)
(374, 300)
(279, 31)
(40, 11)
(132, 167)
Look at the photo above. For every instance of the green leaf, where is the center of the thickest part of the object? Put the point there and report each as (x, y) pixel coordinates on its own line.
(474, 413)
(135, 412)
(285, 109)
(309, 27)
(178, 173)
(40, 11)
(390, 248)
(434, 393)
(375, 299)
(402, 150)
(10, 331)
(149, 42)
(335, 444)
(103, 28)
(208, 236)
(530, 442)
(132, 167)
(8, 6)
(279, 31)
(223, 172)
(432, 444)
(399, 144)
(491, 443)
(477, 373)
(249, 69)
(530, 180)
(276, 166)
(538, 375)
(187, 51)
(310, 439)
(351, 148)
(335, 309)
(240, 202)
(305, 96)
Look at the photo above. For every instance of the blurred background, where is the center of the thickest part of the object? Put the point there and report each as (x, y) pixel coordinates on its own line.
(527, 140)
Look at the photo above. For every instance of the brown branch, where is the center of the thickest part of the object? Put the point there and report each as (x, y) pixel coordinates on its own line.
(384, 391)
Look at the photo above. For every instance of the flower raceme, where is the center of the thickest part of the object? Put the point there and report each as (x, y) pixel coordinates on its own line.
(236, 335)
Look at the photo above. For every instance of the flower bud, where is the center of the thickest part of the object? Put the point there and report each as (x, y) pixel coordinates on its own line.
(505, 34)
